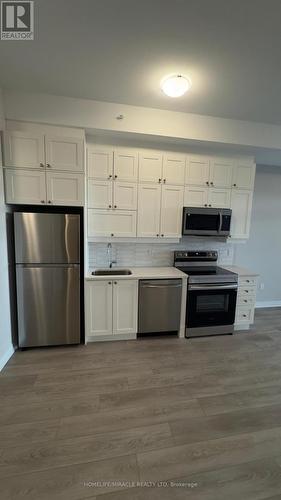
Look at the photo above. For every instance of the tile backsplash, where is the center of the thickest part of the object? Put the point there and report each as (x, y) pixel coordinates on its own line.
(155, 254)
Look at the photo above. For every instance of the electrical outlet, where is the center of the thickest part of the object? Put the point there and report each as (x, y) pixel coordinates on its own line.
(261, 287)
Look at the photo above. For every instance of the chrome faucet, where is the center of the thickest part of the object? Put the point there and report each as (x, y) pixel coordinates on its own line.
(109, 255)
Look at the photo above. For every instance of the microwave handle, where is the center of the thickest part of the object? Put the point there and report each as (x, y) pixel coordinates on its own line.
(220, 223)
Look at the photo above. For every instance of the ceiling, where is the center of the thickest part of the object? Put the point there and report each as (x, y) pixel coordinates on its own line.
(118, 51)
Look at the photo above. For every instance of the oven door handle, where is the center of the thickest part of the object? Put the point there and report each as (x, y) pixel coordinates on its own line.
(217, 286)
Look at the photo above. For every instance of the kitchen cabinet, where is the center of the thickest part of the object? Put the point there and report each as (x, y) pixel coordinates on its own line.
(244, 175)
(219, 198)
(246, 302)
(65, 188)
(149, 210)
(197, 170)
(98, 308)
(64, 153)
(221, 172)
(111, 309)
(100, 162)
(112, 195)
(36, 187)
(126, 165)
(24, 149)
(207, 197)
(150, 166)
(171, 212)
(125, 307)
(25, 186)
(173, 169)
(241, 205)
(112, 223)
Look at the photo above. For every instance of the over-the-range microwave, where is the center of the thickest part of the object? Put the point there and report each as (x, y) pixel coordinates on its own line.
(206, 221)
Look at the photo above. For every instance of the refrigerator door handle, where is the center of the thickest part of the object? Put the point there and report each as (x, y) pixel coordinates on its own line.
(47, 265)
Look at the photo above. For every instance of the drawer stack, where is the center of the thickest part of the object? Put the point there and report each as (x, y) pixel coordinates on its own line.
(246, 300)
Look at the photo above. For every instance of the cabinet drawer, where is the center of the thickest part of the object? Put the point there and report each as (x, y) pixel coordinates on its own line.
(246, 281)
(244, 300)
(245, 315)
(249, 291)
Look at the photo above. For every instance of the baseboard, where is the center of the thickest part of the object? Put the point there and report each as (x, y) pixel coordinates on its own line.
(268, 303)
(5, 358)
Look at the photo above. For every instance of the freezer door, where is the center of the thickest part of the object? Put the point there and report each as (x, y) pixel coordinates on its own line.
(43, 238)
(48, 305)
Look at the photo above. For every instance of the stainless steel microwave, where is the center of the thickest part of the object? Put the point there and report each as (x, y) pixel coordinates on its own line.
(206, 221)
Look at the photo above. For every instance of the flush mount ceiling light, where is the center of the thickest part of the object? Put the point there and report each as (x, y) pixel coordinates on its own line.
(175, 85)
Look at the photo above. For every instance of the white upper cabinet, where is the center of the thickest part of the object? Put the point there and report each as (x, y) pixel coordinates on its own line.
(111, 223)
(195, 196)
(219, 198)
(149, 209)
(173, 169)
(126, 165)
(125, 307)
(150, 166)
(99, 194)
(64, 153)
(241, 204)
(197, 170)
(24, 149)
(221, 171)
(25, 186)
(244, 175)
(125, 195)
(65, 188)
(100, 162)
(171, 211)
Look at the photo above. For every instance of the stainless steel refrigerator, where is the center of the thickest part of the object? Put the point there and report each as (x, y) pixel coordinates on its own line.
(47, 255)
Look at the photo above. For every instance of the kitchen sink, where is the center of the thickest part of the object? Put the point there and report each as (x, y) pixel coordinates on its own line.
(113, 272)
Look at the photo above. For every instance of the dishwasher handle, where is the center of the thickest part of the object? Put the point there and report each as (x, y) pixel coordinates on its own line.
(170, 283)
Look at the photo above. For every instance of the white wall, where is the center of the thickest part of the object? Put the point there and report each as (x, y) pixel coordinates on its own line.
(6, 348)
(262, 252)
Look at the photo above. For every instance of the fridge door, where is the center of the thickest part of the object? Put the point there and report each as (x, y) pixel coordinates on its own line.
(48, 300)
(44, 238)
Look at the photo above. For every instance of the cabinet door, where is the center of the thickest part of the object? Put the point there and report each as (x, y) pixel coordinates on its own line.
(241, 204)
(125, 195)
(244, 175)
(24, 149)
(149, 208)
(99, 194)
(65, 188)
(64, 153)
(221, 171)
(150, 166)
(126, 165)
(173, 169)
(197, 170)
(219, 198)
(111, 223)
(125, 307)
(25, 186)
(98, 317)
(100, 162)
(171, 211)
(196, 196)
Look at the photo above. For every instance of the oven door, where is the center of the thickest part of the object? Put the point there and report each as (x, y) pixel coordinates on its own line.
(211, 305)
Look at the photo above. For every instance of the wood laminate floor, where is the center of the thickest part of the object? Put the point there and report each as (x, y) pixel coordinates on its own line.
(150, 419)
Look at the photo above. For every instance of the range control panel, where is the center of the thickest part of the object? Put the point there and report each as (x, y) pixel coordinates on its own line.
(199, 256)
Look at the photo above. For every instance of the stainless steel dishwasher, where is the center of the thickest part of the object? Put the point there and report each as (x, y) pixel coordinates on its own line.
(159, 305)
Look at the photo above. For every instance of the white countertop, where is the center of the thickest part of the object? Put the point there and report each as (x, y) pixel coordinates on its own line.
(143, 273)
(241, 271)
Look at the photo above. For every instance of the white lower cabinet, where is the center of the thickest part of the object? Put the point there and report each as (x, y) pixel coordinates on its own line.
(25, 186)
(65, 188)
(111, 309)
(112, 223)
(246, 301)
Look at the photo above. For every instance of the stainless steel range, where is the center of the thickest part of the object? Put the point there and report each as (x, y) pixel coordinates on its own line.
(211, 293)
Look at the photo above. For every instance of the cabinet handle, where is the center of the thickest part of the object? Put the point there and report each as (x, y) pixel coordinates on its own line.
(162, 235)
(244, 316)
(42, 165)
(109, 283)
(234, 185)
(207, 183)
(109, 206)
(157, 235)
(247, 291)
(245, 300)
(164, 181)
(115, 176)
(212, 183)
(115, 282)
(49, 201)
(42, 201)
(115, 206)
(112, 234)
(247, 281)
(48, 165)
(110, 176)
(205, 205)
(210, 205)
